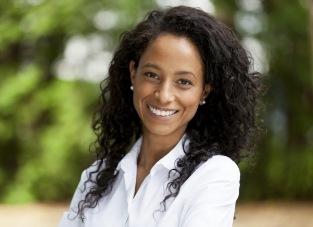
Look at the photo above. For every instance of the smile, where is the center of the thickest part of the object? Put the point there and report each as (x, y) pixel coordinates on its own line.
(162, 113)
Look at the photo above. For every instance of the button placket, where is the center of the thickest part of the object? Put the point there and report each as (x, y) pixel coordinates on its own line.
(145, 182)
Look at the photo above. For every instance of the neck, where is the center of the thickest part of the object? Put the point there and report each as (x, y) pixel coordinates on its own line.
(155, 147)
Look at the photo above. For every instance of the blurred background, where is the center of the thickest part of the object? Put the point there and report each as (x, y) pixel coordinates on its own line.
(54, 53)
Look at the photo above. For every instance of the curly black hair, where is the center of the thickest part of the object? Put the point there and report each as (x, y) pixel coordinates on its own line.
(225, 125)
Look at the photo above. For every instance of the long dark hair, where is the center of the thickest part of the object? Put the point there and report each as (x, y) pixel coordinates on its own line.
(224, 125)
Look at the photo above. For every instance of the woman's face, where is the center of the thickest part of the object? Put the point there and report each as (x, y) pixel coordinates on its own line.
(168, 85)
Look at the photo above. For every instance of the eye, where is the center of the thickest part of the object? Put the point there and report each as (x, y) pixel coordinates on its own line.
(184, 82)
(151, 75)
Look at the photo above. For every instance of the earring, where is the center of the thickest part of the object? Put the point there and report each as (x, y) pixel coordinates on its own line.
(131, 88)
(202, 102)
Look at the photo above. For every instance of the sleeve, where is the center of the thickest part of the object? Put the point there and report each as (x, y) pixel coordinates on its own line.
(69, 218)
(213, 204)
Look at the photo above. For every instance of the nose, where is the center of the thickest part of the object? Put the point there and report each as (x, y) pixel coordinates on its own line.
(165, 93)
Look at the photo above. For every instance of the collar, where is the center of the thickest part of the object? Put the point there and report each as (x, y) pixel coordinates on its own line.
(169, 160)
(129, 162)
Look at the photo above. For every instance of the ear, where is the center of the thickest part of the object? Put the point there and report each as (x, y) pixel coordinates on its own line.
(132, 71)
(206, 91)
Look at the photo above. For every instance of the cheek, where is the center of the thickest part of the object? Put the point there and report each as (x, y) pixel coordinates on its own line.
(143, 89)
(136, 102)
(139, 95)
(191, 104)
(191, 99)
(193, 107)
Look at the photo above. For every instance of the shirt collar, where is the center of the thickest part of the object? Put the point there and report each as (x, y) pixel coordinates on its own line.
(169, 160)
(129, 162)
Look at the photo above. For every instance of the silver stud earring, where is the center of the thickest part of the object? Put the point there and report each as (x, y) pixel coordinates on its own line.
(202, 102)
(131, 88)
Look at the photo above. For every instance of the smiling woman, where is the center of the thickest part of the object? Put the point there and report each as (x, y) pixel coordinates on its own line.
(177, 108)
(168, 87)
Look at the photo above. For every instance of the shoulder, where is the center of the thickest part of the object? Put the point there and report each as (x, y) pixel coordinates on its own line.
(218, 170)
(220, 165)
(89, 175)
(210, 193)
(217, 179)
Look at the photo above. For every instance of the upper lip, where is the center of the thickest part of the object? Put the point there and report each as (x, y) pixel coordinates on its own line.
(161, 108)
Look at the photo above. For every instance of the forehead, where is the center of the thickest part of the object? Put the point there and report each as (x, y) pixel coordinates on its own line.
(174, 50)
(172, 41)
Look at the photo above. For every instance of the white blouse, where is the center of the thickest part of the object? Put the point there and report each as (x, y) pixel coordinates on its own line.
(207, 198)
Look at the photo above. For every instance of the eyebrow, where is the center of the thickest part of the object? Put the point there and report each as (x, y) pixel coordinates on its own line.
(147, 65)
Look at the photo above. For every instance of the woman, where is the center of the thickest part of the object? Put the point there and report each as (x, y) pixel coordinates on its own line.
(176, 110)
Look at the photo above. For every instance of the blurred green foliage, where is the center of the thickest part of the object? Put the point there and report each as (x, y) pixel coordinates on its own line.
(45, 133)
(285, 160)
(45, 121)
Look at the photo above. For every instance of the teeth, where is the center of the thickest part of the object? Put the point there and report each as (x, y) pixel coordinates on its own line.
(161, 112)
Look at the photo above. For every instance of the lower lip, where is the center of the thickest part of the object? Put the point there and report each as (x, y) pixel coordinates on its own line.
(158, 117)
